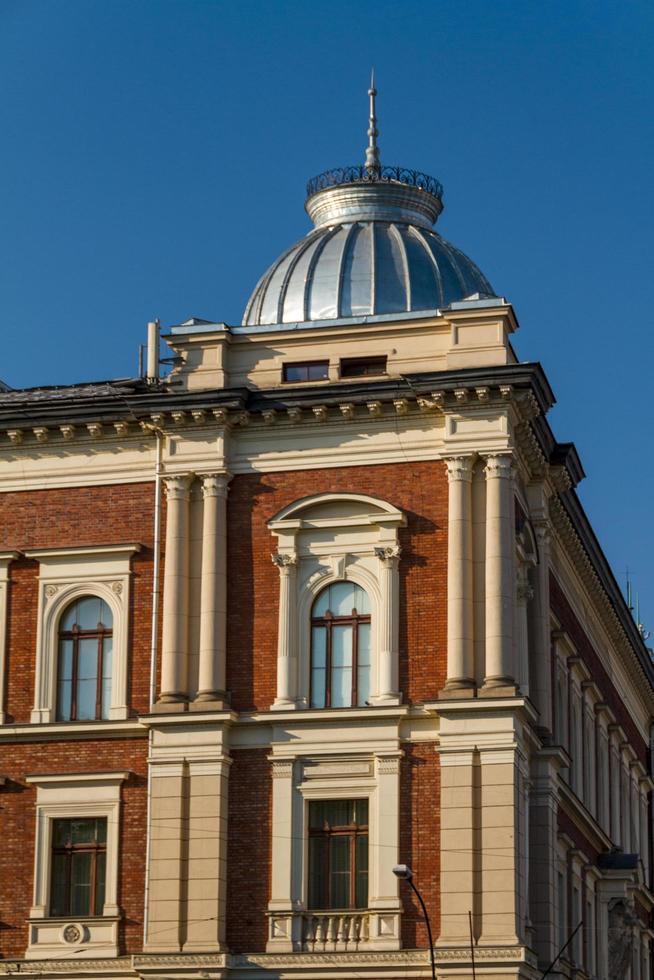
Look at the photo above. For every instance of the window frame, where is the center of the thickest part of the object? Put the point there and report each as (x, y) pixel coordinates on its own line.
(74, 796)
(353, 832)
(68, 851)
(375, 360)
(66, 574)
(75, 635)
(318, 362)
(328, 621)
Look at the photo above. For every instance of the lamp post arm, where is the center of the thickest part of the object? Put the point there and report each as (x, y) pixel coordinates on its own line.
(431, 941)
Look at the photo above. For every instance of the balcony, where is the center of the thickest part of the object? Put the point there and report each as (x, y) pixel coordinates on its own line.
(334, 931)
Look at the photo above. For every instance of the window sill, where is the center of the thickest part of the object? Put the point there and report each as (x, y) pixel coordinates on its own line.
(27, 731)
(85, 937)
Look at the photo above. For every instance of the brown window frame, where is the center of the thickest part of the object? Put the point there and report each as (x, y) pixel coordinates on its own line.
(68, 850)
(328, 621)
(307, 365)
(379, 360)
(76, 634)
(327, 832)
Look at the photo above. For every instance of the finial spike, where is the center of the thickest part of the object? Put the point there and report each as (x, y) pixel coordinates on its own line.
(372, 150)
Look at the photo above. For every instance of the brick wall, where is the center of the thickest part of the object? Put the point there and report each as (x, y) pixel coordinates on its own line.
(565, 615)
(249, 850)
(419, 490)
(60, 518)
(420, 841)
(18, 825)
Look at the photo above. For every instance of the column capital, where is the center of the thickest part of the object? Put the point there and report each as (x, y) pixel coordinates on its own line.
(389, 555)
(499, 466)
(284, 562)
(178, 487)
(459, 467)
(215, 484)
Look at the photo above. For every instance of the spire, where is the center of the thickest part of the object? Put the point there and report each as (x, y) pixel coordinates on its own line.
(372, 150)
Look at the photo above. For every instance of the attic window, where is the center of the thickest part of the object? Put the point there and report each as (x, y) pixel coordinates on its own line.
(362, 367)
(305, 371)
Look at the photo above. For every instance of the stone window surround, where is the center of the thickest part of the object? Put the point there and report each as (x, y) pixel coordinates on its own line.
(369, 558)
(71, 796)
(6, 557)
(371, 775)
(66, 574)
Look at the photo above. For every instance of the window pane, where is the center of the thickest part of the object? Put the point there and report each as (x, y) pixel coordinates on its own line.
(317, 865)
(321, 605)
(101, 828)
(318, 646)
(82, 831)
(342, 599)
(64, 692)
(80, 883)
(342, 646)
(341, 679)
(363, 664)
(361, 601)
(361, 812)
(340, 872)
(89, 612)
(318, 699)
(107, 657)
(100, 867)
(361, 884)
(58, 885)
(318, 372)
(87, 681)
(65, 660)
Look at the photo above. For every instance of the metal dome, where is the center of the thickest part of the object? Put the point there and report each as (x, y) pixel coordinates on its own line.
(373, 249)
(364, 268)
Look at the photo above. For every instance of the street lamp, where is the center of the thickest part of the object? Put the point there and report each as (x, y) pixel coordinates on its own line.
(404, 872)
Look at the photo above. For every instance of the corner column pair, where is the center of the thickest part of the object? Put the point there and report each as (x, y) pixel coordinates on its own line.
(499, 579)
(213, 603)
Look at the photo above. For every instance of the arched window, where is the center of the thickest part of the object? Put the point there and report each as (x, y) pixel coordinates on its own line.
(84, 662)
(340, 647)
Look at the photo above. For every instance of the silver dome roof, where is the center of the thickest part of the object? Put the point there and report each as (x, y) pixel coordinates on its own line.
(363, 268)
(373, 249)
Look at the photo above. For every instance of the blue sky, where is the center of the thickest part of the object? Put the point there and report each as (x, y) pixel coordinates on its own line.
(155, 156)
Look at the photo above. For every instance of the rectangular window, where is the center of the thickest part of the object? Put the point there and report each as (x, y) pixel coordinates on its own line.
(305, 371)
(79, 855)
(362, 367)
(338, 854)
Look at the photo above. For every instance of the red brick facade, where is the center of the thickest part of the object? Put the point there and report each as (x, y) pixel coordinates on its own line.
(417, 489)
(122, 514)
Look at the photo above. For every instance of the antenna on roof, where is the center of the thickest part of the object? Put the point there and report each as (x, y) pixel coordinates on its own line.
(372, 150)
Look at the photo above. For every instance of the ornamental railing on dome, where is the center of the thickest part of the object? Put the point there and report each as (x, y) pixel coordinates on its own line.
(375, 175)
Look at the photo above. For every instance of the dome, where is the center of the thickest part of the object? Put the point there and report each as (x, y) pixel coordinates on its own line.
(373, 250)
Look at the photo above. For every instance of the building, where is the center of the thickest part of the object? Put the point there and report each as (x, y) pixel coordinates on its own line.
(211, 761)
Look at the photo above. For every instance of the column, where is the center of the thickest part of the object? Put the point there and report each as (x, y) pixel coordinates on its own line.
(213, 595)
(389, 627)
(287, 632)
(460, 656)
(174, 656)
(500, 584)
(644, 830)
(524, 594)
(541, 660)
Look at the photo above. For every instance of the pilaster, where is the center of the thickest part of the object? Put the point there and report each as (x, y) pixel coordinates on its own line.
(287, 667)
(213, 597)
(460, 681)
(174, 656)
